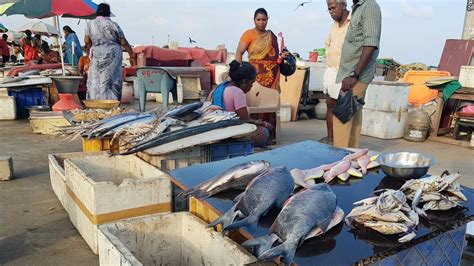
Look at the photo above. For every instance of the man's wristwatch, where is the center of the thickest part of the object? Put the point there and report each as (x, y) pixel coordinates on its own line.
(353, 74)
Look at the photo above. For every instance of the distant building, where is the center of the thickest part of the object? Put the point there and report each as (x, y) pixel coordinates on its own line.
(468, 31)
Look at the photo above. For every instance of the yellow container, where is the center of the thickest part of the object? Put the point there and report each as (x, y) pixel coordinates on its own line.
(209, 214)
(103, 144)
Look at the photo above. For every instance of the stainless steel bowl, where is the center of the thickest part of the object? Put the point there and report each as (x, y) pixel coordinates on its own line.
(405, 165)
(67, 84)
(38, 108)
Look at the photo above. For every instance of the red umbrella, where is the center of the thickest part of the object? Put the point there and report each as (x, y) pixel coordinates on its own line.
(48, 8)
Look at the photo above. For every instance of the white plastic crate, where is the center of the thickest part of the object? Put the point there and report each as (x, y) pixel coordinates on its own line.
(105, 189)
(385, 111)
(383, 125)
(285, 112)
(171, 239)
(317, 71)
(387, 96)
(7, 108)
(466, 76)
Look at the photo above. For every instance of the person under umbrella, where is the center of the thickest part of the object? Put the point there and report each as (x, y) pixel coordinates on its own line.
(5, 49)
(72, 47)
(106, 39)
(48, 56)
(30, 51)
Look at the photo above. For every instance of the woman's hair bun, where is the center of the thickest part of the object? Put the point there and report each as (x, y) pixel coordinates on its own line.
(234, 65)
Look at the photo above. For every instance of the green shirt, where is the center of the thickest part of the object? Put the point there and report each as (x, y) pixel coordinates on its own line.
(364, 30)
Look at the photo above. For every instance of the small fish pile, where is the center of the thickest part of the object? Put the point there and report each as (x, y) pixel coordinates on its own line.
(355, 164)
(269, 189)
(307, 214)
(388, 213)
(234, 178)
(157, 139)
(94, 114)
(434, 193)
(108, 126)
(140, 131)
(218, 115)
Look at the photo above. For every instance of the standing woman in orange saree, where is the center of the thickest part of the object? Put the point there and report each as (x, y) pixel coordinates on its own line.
(262, 47)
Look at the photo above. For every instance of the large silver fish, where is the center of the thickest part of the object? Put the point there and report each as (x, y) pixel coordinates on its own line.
(272, 188)
(236, 177)
(306, 214)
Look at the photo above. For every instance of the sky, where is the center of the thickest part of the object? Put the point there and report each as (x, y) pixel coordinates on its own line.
(412, 30)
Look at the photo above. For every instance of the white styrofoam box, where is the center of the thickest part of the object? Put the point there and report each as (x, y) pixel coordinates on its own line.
(285, 112)
(221, 73)
(387, 96)
(172, 239)
(316, 74)
(383, 125)
(105, 189)
(3, 91)
(466, 76)
(7, 108)
(58, 176)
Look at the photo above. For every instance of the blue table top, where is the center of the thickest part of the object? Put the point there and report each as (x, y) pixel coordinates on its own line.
(340, 245)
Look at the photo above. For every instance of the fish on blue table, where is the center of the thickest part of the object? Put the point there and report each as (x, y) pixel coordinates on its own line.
(270, 189)
(236, 177)
(306, 214)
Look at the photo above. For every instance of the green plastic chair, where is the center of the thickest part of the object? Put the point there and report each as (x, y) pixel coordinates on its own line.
(155, 80)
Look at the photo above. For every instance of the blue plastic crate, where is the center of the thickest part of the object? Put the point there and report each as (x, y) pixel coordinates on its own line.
(25, 98)
(226, 150)
(445, 249)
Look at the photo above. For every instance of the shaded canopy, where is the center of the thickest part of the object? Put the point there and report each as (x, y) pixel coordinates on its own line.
(48, 8)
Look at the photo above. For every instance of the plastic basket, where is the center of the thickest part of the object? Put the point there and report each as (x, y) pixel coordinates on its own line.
(25, 98)
(445, 249)
(226, 150)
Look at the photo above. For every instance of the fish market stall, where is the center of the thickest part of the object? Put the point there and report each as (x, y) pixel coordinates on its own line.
(155, 135)
(439, 235)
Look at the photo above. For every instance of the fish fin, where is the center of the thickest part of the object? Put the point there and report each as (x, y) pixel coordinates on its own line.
(250, 221)
(298, 177)
(336, 218)
(225, 219)
(286, 250)
(316, 231)
(354, 172)
(328, 177)
(344, 176)
(373, 164)
(260, 245)
(238, 197)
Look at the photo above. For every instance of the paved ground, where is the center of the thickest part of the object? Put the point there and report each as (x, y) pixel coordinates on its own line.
(35, 229)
